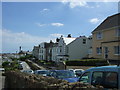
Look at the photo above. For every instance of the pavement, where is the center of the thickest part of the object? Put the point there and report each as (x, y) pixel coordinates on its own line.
(2, 80)
(25, 66)
(42, 68)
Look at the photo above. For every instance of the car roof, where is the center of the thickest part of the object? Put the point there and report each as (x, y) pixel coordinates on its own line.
(78, 69)
(41, 70)
(59, 70)
(104, 68)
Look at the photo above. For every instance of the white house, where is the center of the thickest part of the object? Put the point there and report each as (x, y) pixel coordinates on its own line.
(54, 52)
(45, 51)
(42, 51)
(79, 48)
(62, 53)
(35, 51)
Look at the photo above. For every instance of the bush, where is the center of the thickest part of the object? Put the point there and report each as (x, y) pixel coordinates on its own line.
(87, 62)
(5, 64)
(23, 58)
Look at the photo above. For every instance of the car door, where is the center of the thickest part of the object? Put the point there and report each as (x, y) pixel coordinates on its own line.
(106, 79)
(85, 78)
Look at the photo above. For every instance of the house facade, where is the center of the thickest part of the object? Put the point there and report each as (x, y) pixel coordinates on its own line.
(62, 51)
(35, 51)
(55, 52)
(106, 39)
(79, 48)
(45, 51)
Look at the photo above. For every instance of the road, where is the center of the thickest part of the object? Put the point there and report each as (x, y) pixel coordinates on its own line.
(25, 66)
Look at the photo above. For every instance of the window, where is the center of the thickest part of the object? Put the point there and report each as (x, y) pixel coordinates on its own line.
(105, 79)
(84, 41)
(97, 78)
(110, 80)
(99, 50)
(116, 49)
(99, 35)
(118, 32)
(85, 77)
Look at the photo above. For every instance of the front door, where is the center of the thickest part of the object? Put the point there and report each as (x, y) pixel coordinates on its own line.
(105, 52)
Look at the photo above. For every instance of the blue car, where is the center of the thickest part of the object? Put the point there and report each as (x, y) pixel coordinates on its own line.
(64, 74)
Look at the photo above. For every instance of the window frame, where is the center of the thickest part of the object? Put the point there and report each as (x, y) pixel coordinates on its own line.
(99, 50)
(99, 35)
(118, 50)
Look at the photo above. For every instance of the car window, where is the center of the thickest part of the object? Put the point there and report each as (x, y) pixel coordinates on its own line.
(97, 78)
(85, 78)
(105, 79)
(111, 80)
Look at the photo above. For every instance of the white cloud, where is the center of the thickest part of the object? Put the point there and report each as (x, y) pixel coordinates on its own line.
(57, 24)
(11, 40)
(94, 20)
(56, 35)
(40, 25)
(51, 24)
(75, 3)
(45, 10)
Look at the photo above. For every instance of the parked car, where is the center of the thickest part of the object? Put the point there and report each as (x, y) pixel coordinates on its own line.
(106, 76)
(64, 74)
(78, 72)
(41, 72)
(28, 71)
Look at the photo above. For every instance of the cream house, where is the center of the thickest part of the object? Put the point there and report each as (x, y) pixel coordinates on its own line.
(106, 39)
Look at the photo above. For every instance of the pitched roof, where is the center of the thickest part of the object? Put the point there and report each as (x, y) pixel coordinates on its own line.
(109, 22)
(68, 40)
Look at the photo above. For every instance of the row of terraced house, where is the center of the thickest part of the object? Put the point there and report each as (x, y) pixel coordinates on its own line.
(103, 43)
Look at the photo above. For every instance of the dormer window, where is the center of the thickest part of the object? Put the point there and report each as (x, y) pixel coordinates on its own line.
(99, 35)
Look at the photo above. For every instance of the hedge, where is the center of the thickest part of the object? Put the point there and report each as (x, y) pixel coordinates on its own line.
(87, 62)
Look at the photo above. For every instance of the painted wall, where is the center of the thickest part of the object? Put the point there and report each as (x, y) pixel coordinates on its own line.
(108, 35)
(78, 50)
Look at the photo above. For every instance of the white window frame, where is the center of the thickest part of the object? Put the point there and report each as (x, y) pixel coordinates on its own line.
(99, 35)
(117, 52)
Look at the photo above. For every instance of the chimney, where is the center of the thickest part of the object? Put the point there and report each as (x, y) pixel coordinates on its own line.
(69, 36)
(57, 40)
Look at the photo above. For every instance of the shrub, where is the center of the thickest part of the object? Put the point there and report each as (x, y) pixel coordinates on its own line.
(5, 64)
(87, 62)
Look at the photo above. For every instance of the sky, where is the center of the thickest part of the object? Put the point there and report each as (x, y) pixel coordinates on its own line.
(27, 24)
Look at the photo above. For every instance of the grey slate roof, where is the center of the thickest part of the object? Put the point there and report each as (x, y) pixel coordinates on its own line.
(109, 22)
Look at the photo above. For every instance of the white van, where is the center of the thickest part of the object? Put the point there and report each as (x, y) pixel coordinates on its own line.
(106, 76)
